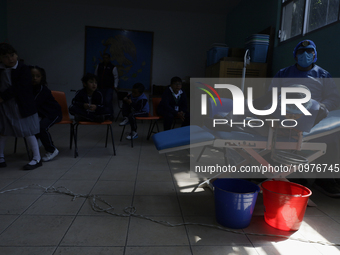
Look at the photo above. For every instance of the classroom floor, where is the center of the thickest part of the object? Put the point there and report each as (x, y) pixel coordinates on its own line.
(159, 186)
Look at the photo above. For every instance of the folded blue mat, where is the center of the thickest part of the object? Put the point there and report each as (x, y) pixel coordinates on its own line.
(194, 134)
(181, 136)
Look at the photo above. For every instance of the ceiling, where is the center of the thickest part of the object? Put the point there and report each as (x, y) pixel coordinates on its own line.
(195, 6)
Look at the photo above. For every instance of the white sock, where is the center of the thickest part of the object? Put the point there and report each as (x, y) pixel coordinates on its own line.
(34, 146)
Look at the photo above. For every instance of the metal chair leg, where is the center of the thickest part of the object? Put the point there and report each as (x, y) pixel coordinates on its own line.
(75, 140)
(15, 144)
(120, 111)
(26, 146)
(149, 130)
(27, 150)
(107, 134)
(131, 139)
(113, 143)
(71, 135)
(121, 136)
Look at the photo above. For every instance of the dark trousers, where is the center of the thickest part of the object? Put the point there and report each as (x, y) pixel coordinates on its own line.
(169, 118)
(108, 98)
(44, 135)
(128, 113)
(82, 114)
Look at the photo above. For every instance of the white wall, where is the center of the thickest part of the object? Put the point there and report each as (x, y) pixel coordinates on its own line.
(52, 35)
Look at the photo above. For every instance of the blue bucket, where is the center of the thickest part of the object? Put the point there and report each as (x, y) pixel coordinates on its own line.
(234, 202)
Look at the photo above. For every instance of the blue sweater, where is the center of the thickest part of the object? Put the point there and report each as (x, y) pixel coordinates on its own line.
(139, 104)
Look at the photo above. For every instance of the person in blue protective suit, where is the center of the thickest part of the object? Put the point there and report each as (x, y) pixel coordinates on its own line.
(323, 90)
(317, 79)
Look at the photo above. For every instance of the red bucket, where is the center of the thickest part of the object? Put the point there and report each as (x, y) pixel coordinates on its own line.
(284, 204)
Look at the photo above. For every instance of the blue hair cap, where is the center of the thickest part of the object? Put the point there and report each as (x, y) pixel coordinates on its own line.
(304, 45)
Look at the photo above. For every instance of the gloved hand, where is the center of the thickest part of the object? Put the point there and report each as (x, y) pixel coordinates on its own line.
(322, 113)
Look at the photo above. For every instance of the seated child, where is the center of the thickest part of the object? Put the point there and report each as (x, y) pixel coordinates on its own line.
(174, 104)
(49, 111)
(88, 103)
(134, 105)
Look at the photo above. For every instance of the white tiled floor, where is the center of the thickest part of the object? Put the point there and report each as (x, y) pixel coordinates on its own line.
(158, 186)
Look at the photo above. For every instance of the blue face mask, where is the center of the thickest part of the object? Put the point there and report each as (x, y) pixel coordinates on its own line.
(305, 59)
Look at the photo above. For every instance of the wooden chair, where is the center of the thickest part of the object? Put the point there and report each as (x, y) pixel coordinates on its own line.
(109, 127)
(152, 118)
(60, 97)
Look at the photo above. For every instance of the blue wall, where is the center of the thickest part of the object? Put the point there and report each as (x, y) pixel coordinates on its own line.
(250, 17)
(3, 20)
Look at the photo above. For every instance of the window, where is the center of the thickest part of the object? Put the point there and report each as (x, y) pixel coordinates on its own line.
(302, 16)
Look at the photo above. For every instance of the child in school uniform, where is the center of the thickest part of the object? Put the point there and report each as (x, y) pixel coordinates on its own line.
(174, 104)
(88, 103)
(49, 111)
(134, 105)
(18, 113)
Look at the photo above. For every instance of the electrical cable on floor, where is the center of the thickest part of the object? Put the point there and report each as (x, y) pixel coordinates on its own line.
(130, 211)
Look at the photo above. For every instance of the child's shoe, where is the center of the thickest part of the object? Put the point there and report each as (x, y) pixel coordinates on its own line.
(134, 135)
(33, 164)
(124, 122)
(49, 156)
